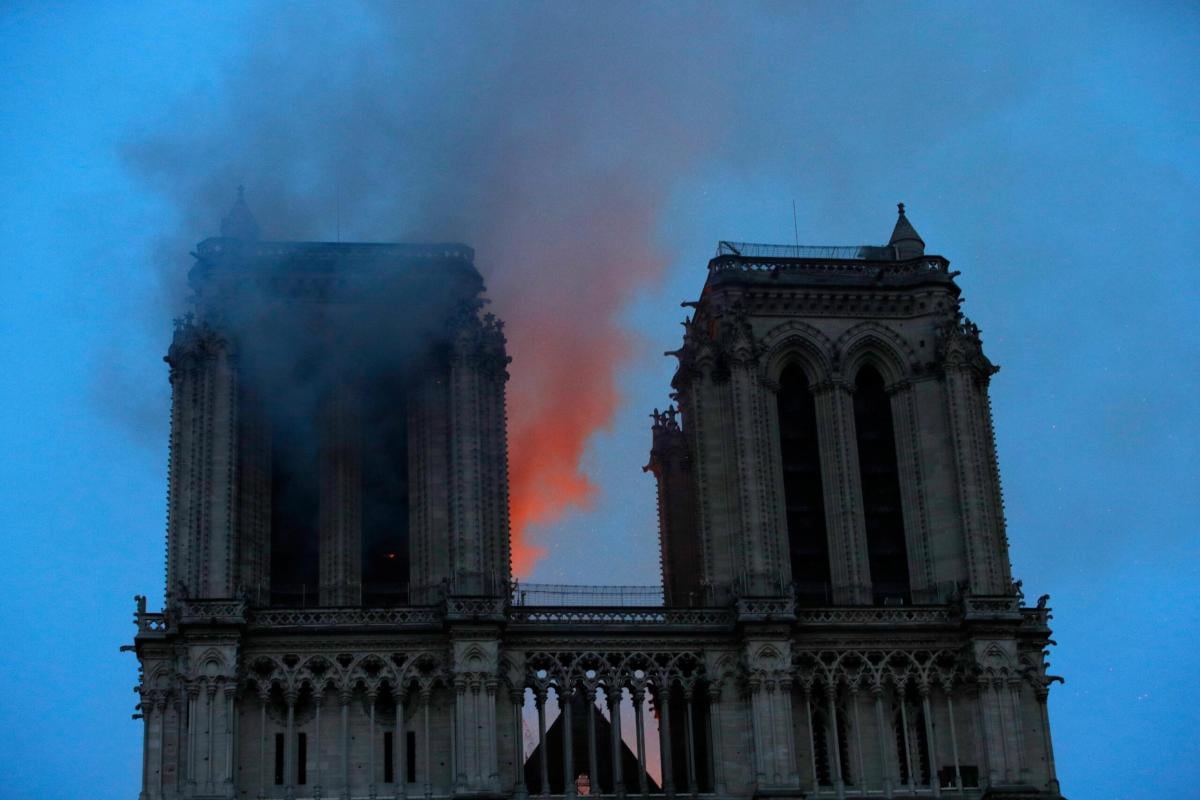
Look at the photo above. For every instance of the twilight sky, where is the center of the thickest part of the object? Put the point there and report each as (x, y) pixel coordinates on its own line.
(594, 155)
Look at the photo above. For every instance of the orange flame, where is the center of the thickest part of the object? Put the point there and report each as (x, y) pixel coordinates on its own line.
(567, 346)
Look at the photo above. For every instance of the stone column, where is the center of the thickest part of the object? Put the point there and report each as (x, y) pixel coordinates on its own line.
(769, 706)
(758, 731)
(371, 742)
(884, 761)
(400, 745)
(994, 700)
(1043, 693)
(789, 735)
(491, 756)
(760, 528)
(812, 741)
(289, 745)
(145, 708)
(949, 689)
(193, 691)
(639, 713)
(466, 466)
(593, 761)
(263, 697)
(842, 486)
(429, 468)
(230, 737)
(664, 739)
(908, 761)
(160, 710)
(839, 783)
(340, 512)
(202, 523)
(210, 694)
(179, 704)
(344, 697)
(518, 706)
(691, 743)
(858, 745)
(540, 701)
(907, 426)
(992, 775)
(428, 761)
(716, 748)
(934, 782)
(966, 373)
(613, 696)
(460, 733)
(318, 698)
(564, 703)
(1021, 765)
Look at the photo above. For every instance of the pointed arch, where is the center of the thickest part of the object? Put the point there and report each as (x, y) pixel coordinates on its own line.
(876, 344)
(796, 342)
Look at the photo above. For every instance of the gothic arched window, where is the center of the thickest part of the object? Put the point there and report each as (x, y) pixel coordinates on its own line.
(822, 739)
(803, 493)
(295, 486)
(882, 512)
(385, 505)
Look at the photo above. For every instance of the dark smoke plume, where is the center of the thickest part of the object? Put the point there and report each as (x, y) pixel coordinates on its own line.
(547, 137)
(552, 137)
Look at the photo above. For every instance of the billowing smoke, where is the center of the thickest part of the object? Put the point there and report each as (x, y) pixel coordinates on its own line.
(553, 138)
(547, 137)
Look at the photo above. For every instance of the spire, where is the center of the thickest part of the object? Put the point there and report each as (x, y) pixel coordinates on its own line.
(905, 239)
(239, 223)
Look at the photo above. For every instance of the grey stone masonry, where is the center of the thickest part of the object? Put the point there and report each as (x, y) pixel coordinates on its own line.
(840, 618)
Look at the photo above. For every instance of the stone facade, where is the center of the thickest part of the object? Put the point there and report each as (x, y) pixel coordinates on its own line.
(397, 660)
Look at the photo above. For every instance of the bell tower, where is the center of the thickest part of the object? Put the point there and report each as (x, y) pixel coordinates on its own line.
(829, 474)
(836, 440)
(328, 401)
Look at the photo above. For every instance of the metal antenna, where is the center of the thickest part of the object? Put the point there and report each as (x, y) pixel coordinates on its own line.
(795, 224)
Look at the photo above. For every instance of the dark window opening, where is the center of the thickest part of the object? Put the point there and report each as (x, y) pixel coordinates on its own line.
(822, 738)
(411, 761)
(820, 732)
(389, 767)
(918, 744)
(385, 493)
(301, 759)
(882, 512)
(803, 492)
(679, 742)
(294, 493)
(279, 747)
(968, 772)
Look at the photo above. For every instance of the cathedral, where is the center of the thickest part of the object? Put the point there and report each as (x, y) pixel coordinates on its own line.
(837, 616)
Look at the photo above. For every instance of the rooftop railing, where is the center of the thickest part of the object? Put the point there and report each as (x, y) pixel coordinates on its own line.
(840, 252)
(552, 594)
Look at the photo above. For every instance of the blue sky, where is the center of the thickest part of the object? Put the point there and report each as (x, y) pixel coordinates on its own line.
(1053, 154)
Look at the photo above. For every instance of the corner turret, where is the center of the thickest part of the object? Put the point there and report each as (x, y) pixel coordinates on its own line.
(905, 239)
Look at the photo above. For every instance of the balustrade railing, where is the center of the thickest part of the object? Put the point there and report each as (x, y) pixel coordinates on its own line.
(875, 616)
(411, 616)
(583, 615)
(550, 594)
(151, 623)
